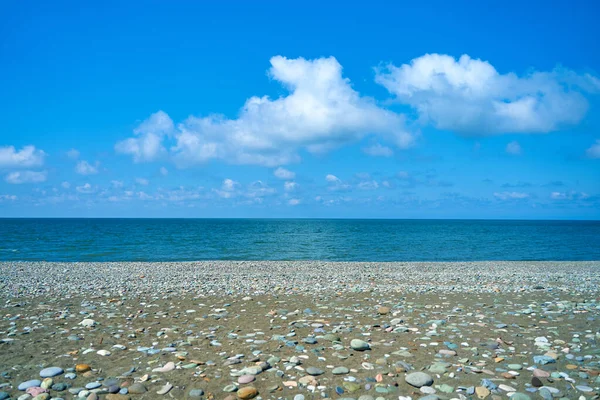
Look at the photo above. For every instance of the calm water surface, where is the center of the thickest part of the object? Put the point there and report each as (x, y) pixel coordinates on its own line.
(301, 239)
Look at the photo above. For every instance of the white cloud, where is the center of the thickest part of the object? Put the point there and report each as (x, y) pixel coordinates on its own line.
(293, 202)
(594, 150)
(142, 181)
(164, 171)
(27, 157)
(368, 185)
(336, 184)
(511, 195)
(283, 173)
(85, 168)
(116, 184)
(332, 178)
(514, 148)
(8, 197)
(18, 177)
(73, 154)
(290, 186)
(320, 112)
(403, 175)
(229, 185)
(572, 195)
(144, 196)
(377, 150)
(147, 144)
(228, 188)
(259, 189)
(85, 188)
(469, 96)
(65, 185)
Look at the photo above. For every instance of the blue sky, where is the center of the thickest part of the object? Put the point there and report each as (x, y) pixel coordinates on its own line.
(319, 109)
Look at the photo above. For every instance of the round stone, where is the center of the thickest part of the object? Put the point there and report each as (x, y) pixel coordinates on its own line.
(359, 345)
(26, 385)
(418, 379)
(248, 392)
(51, 372)
(540, 373)
(137, 388)
(59, 387)
(383, 310)
(113, 389)
(314, 371)
(246, 379)
(80, 368)
(93, 385)
(340, 371)
(196, 393)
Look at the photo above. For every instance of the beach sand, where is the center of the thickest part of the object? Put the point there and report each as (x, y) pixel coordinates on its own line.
(301, 330)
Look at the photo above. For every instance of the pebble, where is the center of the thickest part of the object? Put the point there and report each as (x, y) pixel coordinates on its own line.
(340, 371)
(359, 345)
(314, 371)
(51, 372)
(247, 392)
(418, 379)
(196, 393)
(137, 388)
(28, 384)
(165, 389)
(246, 379)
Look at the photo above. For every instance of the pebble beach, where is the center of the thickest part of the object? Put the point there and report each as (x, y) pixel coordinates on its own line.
(300, 330)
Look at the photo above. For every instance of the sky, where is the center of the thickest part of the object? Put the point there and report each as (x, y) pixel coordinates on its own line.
(274, 109)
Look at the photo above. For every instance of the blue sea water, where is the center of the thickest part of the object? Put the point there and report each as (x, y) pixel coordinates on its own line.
(296, 239)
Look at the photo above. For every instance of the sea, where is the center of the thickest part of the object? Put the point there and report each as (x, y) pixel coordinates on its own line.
(74, 239)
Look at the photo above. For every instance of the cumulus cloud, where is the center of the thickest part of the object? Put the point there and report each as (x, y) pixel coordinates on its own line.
(147, 143)
(293, 202)
(228, 188)
(163, 171)
(377, 150)
(85, 188)
(332, 178)
(514, 148)
(336, 184)
(85, 168)
(8, 197)
(594, 150)
(470, 96)
(283, 173)
(65, 185)
(320, 112)
(290, 186)
(511, 195)
(116, 184)
(27, 157)
(19, 177)
(142, 181)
